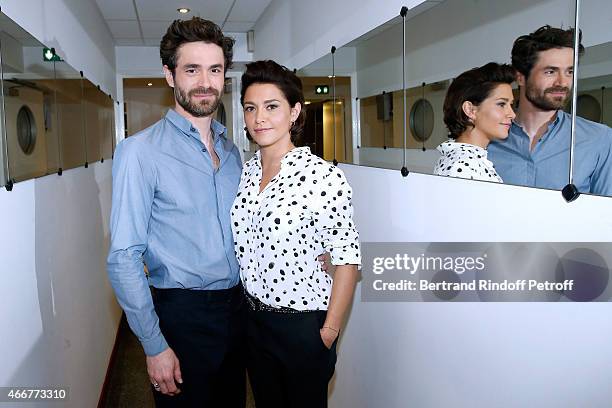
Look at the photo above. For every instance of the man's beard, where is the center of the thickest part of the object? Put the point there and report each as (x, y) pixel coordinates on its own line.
(204, 108)
(539, 99)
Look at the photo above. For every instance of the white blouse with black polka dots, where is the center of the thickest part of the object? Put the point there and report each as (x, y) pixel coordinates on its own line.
(302, 212)
(465, 160)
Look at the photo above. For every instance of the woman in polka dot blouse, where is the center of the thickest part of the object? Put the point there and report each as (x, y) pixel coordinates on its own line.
(291, 206)
(477, 110)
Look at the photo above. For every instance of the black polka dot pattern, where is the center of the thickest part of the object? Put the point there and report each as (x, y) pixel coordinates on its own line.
(304, 211)
(465, 161)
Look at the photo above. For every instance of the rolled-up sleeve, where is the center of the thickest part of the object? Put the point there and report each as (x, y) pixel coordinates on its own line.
(334, 219)
(132, 199)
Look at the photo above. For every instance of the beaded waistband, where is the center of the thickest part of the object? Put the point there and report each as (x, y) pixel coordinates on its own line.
(257, 305)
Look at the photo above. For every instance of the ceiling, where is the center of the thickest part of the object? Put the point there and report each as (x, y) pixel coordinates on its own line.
(144, 22)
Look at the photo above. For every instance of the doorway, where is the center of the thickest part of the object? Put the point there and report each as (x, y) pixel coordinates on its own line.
(313, 128)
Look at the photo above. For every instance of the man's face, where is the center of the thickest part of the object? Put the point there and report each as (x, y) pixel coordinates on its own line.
(198, 77)
(550, 81)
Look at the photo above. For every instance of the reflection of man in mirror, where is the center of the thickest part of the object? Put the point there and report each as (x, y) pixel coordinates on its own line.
(173, 186)
(536, 152)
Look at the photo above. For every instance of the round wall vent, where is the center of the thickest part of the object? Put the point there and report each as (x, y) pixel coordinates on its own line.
(588, 107)
(421, 120)
(26, 130)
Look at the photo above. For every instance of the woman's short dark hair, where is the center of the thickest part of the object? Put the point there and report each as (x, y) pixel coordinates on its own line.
(269, 72)
(527, 47)
(474, 86)
(193, 30)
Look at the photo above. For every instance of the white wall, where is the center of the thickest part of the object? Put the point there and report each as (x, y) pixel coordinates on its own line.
(296, 33)
(59, 316)
(344, 64)
(138, 62)
(432, 355)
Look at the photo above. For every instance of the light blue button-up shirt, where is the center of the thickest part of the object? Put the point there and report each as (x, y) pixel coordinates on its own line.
(547, 165)
(170, 210)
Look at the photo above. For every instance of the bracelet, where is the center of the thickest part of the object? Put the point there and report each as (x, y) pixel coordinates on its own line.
(331, 328)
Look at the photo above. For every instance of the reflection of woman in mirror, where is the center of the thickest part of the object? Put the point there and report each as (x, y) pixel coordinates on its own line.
(477, 110)
(291, 206)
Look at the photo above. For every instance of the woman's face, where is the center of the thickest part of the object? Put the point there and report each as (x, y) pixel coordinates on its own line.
(268, 115)
(493, 117)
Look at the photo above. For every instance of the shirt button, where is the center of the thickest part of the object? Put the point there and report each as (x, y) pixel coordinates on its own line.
(192, 129)
(204, 149)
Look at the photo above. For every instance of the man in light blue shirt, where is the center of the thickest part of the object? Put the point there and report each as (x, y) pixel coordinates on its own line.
(537, 150)
(173, 186)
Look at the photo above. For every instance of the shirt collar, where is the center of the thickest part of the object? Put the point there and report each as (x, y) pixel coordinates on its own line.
(451, 145)
(293, 154)
(188, 129)
(288, 157)
(559, 115)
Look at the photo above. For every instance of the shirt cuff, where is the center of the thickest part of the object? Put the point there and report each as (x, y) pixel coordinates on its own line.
(154, 346)
(348, 254)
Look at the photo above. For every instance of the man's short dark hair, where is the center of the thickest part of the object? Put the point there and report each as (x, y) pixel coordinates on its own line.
(474, 86)
(527, 47)
(193, 30)
(269, 72)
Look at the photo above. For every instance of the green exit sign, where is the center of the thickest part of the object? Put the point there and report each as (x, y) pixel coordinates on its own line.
(321, 89)
(50, 55)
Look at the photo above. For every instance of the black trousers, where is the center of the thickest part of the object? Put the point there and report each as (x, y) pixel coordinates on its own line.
(206, 331)
(288, 363)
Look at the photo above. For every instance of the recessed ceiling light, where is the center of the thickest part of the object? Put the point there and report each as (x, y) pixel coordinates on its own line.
(150, 84)
(306, 102)
(183, 10)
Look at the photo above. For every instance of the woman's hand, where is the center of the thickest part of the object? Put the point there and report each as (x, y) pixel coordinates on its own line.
(328, 336)
(326, 264)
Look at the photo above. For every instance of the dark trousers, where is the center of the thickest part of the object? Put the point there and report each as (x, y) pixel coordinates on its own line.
(288, 364)
(206, 331)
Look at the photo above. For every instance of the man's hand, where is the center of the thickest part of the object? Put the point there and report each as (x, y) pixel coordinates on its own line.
(326, 265)
(163, 370)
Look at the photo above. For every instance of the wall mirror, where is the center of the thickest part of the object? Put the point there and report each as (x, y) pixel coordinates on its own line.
(106, 122)
(53, 118)
(29, 132)
(94, 101)
(593, 147)
(98, 109)
(328, 129)
(435, 55)
(71, 118)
